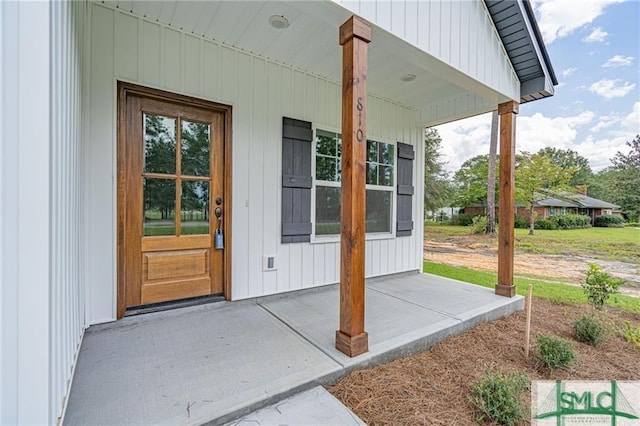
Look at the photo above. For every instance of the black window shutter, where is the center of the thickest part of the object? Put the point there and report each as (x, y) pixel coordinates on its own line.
(404, 224)
(296, 180)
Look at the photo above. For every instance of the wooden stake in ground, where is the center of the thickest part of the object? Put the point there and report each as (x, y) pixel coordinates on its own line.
(527, 330)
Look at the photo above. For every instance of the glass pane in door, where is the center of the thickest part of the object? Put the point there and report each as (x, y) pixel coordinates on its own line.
(195, 148)
(159, 144)
(195, 208)
(159, 206)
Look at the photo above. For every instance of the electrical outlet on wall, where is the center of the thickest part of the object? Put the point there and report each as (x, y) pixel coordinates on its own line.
(269, 262)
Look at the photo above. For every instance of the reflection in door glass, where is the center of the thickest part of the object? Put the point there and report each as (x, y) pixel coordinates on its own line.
(159, 206)
(195, 148)
(159, 144)
(195, 208)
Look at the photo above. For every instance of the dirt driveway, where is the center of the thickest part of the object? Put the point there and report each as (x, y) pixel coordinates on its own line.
(482, 254)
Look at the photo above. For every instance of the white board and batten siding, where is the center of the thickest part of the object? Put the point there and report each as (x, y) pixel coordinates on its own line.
(130, 48)
(67, 194)
(41, 296)
(460, 33)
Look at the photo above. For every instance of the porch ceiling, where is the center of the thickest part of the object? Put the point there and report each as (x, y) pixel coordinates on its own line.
(311, 43)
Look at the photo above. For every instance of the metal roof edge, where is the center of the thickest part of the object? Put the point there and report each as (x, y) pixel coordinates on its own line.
(517, 28)
(543, 48)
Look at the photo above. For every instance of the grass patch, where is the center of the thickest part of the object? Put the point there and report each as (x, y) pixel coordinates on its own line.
(619, 244)
(434, 230)
(557, 292)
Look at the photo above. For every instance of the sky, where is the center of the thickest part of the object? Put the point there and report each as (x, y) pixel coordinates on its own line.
(594, 47)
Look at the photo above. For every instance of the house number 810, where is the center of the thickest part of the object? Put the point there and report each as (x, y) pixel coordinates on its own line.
(359, 132)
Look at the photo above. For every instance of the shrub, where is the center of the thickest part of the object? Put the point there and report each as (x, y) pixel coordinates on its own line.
(554, 352)
(608, 221)
(498, 397)
(521, 222)
(545, 224)
(590, 329)
(631, 334)
(632, 224)
(572, 221)
(599, 286)
(461, 220)
(479, 225)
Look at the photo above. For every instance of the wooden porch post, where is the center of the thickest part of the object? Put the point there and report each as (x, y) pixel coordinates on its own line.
(355, 34)
(507, 111)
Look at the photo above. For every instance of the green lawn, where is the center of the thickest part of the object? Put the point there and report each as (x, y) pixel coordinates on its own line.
(431, 229)
(621, 244)
(558, 292)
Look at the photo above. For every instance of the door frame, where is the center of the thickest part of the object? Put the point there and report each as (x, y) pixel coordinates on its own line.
(130, 89)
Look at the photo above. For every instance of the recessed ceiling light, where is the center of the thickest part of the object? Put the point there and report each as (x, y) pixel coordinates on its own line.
(408, 77)
(279, 22)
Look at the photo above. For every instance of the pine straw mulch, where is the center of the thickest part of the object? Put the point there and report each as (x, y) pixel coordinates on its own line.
(434, 387)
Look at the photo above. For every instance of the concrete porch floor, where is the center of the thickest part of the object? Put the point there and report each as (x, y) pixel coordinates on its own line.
(214, 363)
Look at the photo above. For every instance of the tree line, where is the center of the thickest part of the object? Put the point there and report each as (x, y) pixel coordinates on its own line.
(548, 172)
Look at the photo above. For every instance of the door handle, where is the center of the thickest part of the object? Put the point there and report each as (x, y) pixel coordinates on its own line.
(219, 236)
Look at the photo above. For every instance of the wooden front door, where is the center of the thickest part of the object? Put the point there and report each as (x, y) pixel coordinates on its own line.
(171, 193)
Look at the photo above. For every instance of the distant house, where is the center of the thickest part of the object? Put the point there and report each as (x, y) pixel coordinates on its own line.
(574, 204)
(442, 212)
(556, 206)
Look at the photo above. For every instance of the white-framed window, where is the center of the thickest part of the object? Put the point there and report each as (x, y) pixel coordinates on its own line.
(557, 211)
(380, 185)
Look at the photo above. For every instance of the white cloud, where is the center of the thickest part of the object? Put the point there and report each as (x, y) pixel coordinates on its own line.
(610, 89)
(537, 131)
(632, 121)
(606, 139)
(559, 18)
(464, 139)
(596, 36)
(599, 150)
(568, 71)
(605, 122)
(618, 61)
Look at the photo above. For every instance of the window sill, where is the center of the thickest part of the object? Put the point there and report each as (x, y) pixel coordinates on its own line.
(327, 239)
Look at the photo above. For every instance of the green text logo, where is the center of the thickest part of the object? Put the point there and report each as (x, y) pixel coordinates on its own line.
(578, 402)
